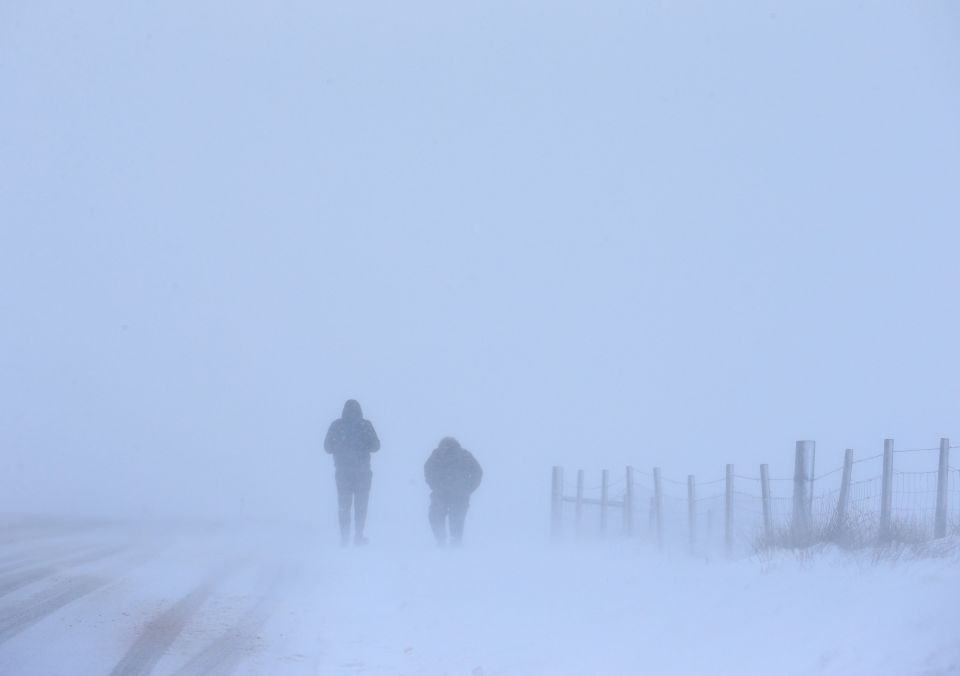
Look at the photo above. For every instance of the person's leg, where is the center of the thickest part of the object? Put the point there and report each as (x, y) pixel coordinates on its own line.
(361, 498)
(437, 515)
(344, 498)
(458, 514)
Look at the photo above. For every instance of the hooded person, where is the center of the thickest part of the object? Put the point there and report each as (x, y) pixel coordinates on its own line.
(453, 474)
(351, 439)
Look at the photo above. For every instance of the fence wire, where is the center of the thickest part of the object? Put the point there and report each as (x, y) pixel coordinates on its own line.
(704, 521)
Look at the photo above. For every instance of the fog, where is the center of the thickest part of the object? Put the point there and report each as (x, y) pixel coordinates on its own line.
(575, 234)
(588, 235)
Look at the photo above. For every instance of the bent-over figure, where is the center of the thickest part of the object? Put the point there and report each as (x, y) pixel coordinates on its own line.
(453, 474)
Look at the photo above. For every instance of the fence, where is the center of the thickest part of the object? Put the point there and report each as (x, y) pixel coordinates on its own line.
(865, 499)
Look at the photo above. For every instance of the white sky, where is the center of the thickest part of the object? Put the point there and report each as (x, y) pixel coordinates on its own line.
(580, 233)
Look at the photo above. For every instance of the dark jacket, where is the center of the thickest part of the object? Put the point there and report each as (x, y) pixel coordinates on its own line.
(351, 439)
(452, 470)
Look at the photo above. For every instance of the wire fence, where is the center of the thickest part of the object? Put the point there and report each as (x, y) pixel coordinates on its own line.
(861, 501)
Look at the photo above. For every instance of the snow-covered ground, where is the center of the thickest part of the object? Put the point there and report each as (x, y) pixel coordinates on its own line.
(104, 599)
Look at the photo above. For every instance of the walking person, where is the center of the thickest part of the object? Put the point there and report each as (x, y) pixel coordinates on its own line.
(453, 474)
(351, 439)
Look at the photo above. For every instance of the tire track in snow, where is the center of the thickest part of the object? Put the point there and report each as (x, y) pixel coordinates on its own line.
(16, 618)
(160, 632)
(13, 581)
(226, 652)
(20, 547)
(40, 556)
(19, 616)
(224, 655)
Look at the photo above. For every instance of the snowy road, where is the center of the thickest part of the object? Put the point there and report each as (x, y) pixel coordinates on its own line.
(97, 599)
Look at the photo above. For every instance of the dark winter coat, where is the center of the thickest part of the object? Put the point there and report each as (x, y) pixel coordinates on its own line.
(452, 470)
(351, 439)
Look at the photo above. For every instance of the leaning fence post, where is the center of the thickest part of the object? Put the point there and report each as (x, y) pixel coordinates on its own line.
(579, 501)
(628, 503)
(840, 521)
(556, 502)
(886, 490)
(765, 501)
(658, 504)
(604, 483)
(692, 511)
(940, 524)
(728, 511)
(802, 494)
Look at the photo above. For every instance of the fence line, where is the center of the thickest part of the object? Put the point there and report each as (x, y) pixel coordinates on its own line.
(746, 510)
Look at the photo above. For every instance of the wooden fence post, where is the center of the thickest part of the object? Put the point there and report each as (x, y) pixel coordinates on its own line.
(556, 502)
(765, 500)
(658, 504)
(628, 503)
(840, 520)
(579, 502)
(692, 511)
(604, 484)
(886, 490)
(802, 493)
(728, 512)
(940, 523)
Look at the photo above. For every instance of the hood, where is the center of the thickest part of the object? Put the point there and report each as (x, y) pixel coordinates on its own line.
(352, 410)
(448, 444)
